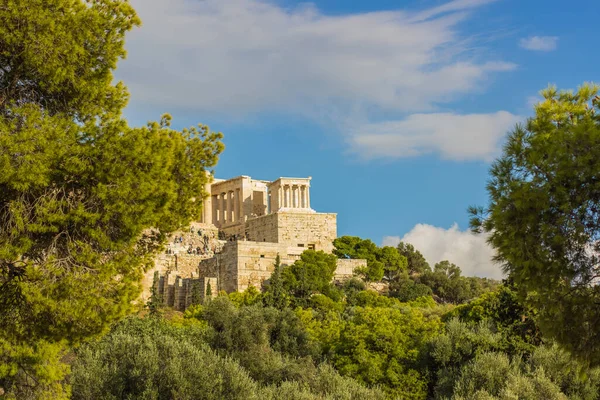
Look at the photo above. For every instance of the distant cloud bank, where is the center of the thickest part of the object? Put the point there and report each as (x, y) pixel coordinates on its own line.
(539, 43)
(463, 248)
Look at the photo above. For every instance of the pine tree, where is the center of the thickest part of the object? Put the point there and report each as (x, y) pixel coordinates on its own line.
(542, 218)
(85, 199)
(276, 295)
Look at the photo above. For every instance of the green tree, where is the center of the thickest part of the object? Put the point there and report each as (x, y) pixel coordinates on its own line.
(85, 200)
(447, 283)
(458, 345)
(357, 248)
(152, 359)
(416, 263)
(312, 274)
(406, 289)
(394, 263)
(542, 217)
(550, 373)
(515, 323)
(384, 261)
(275, 295)
(382, 346)
(248, 297)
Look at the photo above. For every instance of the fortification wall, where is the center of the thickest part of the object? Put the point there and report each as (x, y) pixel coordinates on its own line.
(245, 263)
(306, 229)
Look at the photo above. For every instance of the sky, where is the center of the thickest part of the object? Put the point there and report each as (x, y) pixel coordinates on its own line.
(395, 109)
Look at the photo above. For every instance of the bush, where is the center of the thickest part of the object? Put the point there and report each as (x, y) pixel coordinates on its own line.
(152, 359)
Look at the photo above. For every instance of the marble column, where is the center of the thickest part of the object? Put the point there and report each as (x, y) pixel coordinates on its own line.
(238, 205)
(296, 197)
(288, 196)
(279, 197)
(215, 209)
(229, 217)
(307, 196)
(303, 196)
(222, 210)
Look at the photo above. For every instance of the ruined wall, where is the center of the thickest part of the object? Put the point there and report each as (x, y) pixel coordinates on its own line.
(222, 267)
(183, 252)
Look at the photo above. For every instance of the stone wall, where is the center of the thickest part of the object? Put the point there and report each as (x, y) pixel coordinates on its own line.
(256, 261)
(306, 229)
(262, 229)
(295, 228)
(244, 263)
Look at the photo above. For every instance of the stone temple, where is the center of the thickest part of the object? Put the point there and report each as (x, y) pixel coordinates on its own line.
(245, 224)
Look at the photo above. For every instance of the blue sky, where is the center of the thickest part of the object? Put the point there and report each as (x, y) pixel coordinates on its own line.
(396, 109)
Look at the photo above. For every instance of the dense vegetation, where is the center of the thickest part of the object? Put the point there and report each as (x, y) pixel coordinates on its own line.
(86, 201)
(360, 345)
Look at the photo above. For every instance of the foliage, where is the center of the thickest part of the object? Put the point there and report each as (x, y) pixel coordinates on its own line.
(33, 371)
(275, 294)
(48, 63)
(406, 289)
(379, 343)
(79, 188)
(447, 283)
(272, 345)
(248, 297)
(549, 374)
(385, 261)
(511, 319)
(382, 346)
(351, 287)
(312, 274)
(459, 344)
(416, 263)
(542, 218)
(153, 359)
(471, 361)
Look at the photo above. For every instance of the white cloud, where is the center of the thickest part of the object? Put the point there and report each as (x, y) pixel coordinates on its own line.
(237, 57)
(463, 248)
(539, 43)
(453, 136)
(391, 241)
